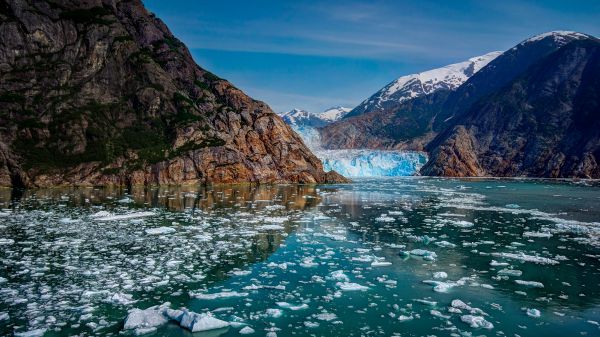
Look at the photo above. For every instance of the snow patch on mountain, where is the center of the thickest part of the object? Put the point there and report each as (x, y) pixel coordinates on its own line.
(561, 37)
(300, 117)
(412, 86)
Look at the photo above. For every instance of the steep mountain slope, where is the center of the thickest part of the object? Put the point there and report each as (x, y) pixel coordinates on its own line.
(412, 86)
(412, 124)
(545, 123)
(334, 113)
(100, 92)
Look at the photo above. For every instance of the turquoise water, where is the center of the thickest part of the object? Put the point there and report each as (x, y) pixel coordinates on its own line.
(363, 259)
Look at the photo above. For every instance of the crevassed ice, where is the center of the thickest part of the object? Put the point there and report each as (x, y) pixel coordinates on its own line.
(363, 163)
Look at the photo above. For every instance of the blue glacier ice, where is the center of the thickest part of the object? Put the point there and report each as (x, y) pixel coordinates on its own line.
(372, 163)
(364, 162)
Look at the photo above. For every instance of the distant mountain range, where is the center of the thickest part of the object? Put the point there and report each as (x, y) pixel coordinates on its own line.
(533, 110)
(298, 117)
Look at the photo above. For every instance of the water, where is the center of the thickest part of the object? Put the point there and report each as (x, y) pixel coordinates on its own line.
(352, 260)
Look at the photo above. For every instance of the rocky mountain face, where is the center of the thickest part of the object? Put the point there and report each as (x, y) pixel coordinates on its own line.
(100, 92)
(546, 123)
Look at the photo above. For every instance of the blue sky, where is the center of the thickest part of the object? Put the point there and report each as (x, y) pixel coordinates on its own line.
(317, 54)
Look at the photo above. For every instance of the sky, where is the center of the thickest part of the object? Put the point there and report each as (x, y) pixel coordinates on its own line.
(317, 54)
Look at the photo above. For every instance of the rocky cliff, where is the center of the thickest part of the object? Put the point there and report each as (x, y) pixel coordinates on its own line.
(546, 123)
(100, 92)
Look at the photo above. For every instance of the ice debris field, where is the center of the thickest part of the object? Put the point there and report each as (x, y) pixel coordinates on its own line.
(380, 257)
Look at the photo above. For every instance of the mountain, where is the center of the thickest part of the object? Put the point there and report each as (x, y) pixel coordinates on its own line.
(412, 86)
(544, 123)
(411, 125)
(334, 113)
(100, 92)
(298, 117)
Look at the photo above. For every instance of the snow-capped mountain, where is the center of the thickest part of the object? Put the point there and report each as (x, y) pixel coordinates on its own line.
(298, 117)
(412, 86)
(335, 113)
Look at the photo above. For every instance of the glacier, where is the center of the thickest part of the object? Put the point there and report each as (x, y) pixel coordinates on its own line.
(364, 162)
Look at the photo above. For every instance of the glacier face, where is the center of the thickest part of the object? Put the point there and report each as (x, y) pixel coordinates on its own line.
(372, 163)
(362, 163)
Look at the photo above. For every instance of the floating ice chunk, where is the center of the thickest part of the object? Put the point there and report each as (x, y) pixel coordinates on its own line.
(350, 286)
(403, 318)
(384, 218)
(141, 320)
(326, 316)
(445, 244)
(425, 254)
(437, 313)
(338, 275)
(6, 242)
(461, 223)
(439, 286)
(526, 258)
(495, 263)
(4, 316)
(201, 322)
(440, 275)
(308, 262)
(122, 299)
(533, 284)
(533, 313)
(31, 333)
(292, 307)
(214, 296)
(246, 330)
(537, 235)
(510, 272)
(160, 230)
(380, 263)
(476, 321)
(458, 304)
(271, 227)
(310, 325)
(125, 216)
(275, 313)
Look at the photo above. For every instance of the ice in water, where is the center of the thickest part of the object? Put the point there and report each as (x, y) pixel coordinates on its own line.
(422, 256)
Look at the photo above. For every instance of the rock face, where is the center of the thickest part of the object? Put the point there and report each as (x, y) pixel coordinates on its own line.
(100, 92)
(546, 123)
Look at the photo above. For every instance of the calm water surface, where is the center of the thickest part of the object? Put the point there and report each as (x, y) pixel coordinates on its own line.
(380, 257)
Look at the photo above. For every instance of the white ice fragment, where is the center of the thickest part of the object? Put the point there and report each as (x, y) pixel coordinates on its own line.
(533, 284)
(160, 230)
(125, 216)
(274, 313)
(201, 322)
(214, 296)
(380, 264)
(31, 333)
(350, 286)
(526, 258)
(292, 307)
(440, 275)
(510, 272)
(533, 313)
(246, 330)
(147, 318)
(338, 275)
(476, 321)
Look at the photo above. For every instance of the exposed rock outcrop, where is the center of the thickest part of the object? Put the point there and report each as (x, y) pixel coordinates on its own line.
(100, 92)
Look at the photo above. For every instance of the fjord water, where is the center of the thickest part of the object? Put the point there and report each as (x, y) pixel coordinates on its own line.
(363, 259)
